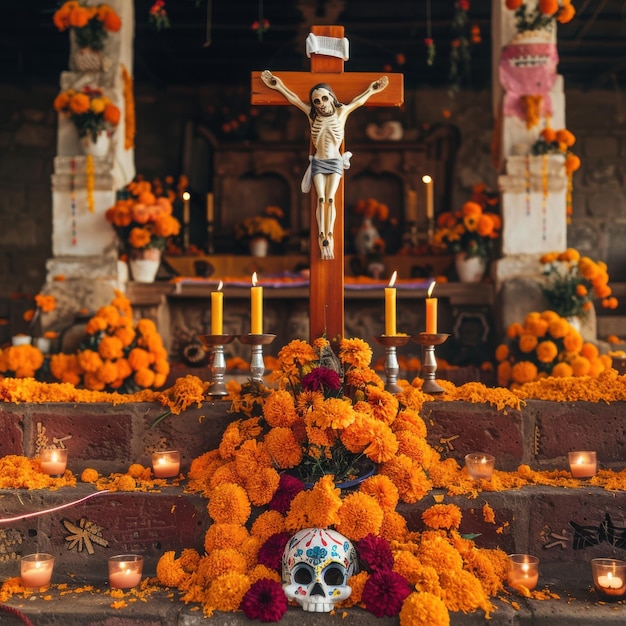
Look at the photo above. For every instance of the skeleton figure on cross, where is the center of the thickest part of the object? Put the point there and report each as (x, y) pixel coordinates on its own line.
(327, 118)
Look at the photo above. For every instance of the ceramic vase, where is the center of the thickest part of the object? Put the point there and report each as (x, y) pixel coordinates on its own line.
(259, 246)
(144, 264)
(470, 269)
(97, 148)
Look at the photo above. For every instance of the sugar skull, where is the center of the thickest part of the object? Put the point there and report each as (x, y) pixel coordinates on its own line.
(316, 565)
(528, 68)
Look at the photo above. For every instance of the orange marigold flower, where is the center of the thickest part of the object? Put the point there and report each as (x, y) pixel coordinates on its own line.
(359, 515)
(224, 535)
(279, 409)
(382, 489)
(527, 342)
(524, 372)
(573, 341)
(384, 404)
(334, 413)
(547, 351)
(229, 503)
(548, 7)
(267, 524)
(89, 475)
(383, 443)
(424, 607)
(442, 516)
(355, 352)
(261, 485)
(283, 447)
(169, 570)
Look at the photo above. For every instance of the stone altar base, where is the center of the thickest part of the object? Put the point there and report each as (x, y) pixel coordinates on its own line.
(561, 526)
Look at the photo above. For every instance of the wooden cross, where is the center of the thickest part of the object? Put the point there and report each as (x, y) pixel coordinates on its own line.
(326, 289)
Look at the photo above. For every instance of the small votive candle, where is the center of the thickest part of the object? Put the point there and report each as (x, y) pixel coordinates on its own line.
(582, 464)
(609, 579)
(523, 570)
(36, 570)
(479, 465)
(166, 464)
(53, 461)
(125, 570)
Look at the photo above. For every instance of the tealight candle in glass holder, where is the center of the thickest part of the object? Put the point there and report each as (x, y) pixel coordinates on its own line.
(125, 570)
(609, 579)
(36, 570)
(523, 570)
(479, 465)
(53, 461)
(166, 464)
(582, 463)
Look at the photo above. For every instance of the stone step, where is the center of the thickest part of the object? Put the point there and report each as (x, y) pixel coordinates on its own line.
(577, 606)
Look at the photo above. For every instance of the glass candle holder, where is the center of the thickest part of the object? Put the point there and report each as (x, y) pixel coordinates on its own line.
(582, 463)
(479, 465)
(166, 464)
(36, 570)
(125, 570)
(523, 570)
(53, 461)
(609, 579)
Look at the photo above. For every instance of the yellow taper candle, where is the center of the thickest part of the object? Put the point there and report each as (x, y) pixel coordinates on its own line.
(186, 199)
(256, 311)
(430, 202)
(431, 311)
(390, 306)
(209, 208)
(217, 311)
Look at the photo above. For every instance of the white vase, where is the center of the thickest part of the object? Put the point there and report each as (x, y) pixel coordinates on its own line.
(470, 269)
(97, 148)
(259, 246)
(366, 237)
(144, 265)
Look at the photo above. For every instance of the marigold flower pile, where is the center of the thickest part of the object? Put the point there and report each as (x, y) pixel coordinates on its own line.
(116, 354)
(546, 345)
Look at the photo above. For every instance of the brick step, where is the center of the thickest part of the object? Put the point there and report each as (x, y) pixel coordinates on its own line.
(558, 525)
(110, 438)
(577, 606)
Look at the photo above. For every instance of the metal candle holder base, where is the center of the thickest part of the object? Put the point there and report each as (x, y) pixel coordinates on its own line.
(257, 364)
(391, 342)
(428, 341)
(215, 344)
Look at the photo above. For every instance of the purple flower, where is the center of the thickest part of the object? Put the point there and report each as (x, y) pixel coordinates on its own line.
(271, 552)
(288, 487)
(265, 601)
(321, 377)
(374, 553)
(384, 592)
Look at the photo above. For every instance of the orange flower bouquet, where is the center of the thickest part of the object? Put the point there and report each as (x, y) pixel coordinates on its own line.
(543, 15)
(91, 24)
(328, 415)
(89, 110)
(116, 354)
(574, 281)
(144, 219)
(546, 345)
(472, 230)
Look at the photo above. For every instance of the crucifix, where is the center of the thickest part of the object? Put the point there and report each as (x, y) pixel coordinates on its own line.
(320, 94)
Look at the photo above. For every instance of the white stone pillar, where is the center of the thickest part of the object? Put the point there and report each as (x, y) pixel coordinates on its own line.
(84, 244)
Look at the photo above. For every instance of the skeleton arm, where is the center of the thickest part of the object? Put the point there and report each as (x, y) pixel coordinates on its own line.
(376, 86)
(273, 82)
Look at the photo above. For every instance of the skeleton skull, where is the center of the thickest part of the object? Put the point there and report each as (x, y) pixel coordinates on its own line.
(323, 101)
(316, 565)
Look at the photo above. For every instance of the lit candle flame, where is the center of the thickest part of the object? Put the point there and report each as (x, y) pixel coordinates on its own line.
(430, 288)
(427, 179)
(220, 286)
(254, 279)
(392, 280)
(186, 196)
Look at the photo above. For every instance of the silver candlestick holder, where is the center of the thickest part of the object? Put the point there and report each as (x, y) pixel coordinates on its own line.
(215, 344)
(390, 343)
(428, 341)
(257, 364)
